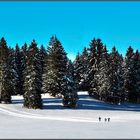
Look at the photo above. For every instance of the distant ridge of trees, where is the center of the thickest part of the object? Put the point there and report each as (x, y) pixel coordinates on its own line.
(31, 71)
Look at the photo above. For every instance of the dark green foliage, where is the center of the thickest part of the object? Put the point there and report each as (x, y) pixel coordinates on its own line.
(102, 76)
(78, 71)
(33, 79)
(91, 68)
(81, 70)
(132, 75)
(71, 97)
(43, 57)
(96, 51)
(19, 68)
(55, 71)
(43, 60)
(129, 84)
(24, 53)
(137, 75)
(136, 70)
(116, 94)
(32, 71)
(6, 84)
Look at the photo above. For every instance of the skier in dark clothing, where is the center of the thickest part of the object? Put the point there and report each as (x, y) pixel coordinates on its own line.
(99, 119)
(105, 119)
(108, 119)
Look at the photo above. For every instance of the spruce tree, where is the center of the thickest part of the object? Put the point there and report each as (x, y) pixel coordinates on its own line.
(19, 71)
(12, 70)
(78, 71)
(43, 59)
(6, 85)
(91, 68)
(55, 70)
(102, 76)
(24, 54)
(129, 84)
(96, 51)
(71, 97)
(136, 75)
(81, 70)
(43, 55)
(116, 76)
(84, 72)
(33, 79)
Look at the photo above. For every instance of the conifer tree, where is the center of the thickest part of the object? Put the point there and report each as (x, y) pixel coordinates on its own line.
(116, 77)
(43, 59)
(91, 67)
(129, 84)
(55, 70)
(136, 74)
(24, 54)
(19, 68)
(78, 71)
(12, 70)
(71, 97)
(33, 79)
(96, 51)
(102, 77)
(84, 72)
(6, 85)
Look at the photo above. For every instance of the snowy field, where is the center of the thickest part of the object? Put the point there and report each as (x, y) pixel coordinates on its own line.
(55, 121)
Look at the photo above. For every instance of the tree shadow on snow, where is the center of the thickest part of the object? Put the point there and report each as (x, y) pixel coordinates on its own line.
(85, 103)
(17, 101)
(96, 105)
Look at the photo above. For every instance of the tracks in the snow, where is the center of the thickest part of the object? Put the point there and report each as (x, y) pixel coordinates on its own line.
(22, 114)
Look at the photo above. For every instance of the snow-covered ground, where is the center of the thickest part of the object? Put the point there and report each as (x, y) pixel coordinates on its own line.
(55, 121)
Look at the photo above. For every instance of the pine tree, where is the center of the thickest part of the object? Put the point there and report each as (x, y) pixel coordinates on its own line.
(136, 75)
(43, 58)
(129, 84)
(102, 76)
(91, 67)
(6, 85)
(33, 79)
(19, 71)
(71, 97)
(96, 51)
(55, 70)
(78, 71)
(116, 76)
(12, 70)
(24, 54)
(84, 72)
(81, 70)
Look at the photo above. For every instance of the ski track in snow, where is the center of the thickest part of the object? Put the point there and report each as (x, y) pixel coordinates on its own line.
(22, 114)
(34, 116)
(12, 111)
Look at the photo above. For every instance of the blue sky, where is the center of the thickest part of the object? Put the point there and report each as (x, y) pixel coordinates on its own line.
(74, 23)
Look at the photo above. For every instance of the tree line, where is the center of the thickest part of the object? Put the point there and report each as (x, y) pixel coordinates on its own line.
(32, 70)
(108, 76)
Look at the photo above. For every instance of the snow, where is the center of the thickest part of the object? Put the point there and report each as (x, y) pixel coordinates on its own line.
(55, 121)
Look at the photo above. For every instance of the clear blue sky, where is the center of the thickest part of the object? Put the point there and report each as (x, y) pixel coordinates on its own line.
(74, 23)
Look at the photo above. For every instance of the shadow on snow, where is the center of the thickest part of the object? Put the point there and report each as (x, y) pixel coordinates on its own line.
(85, 103)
